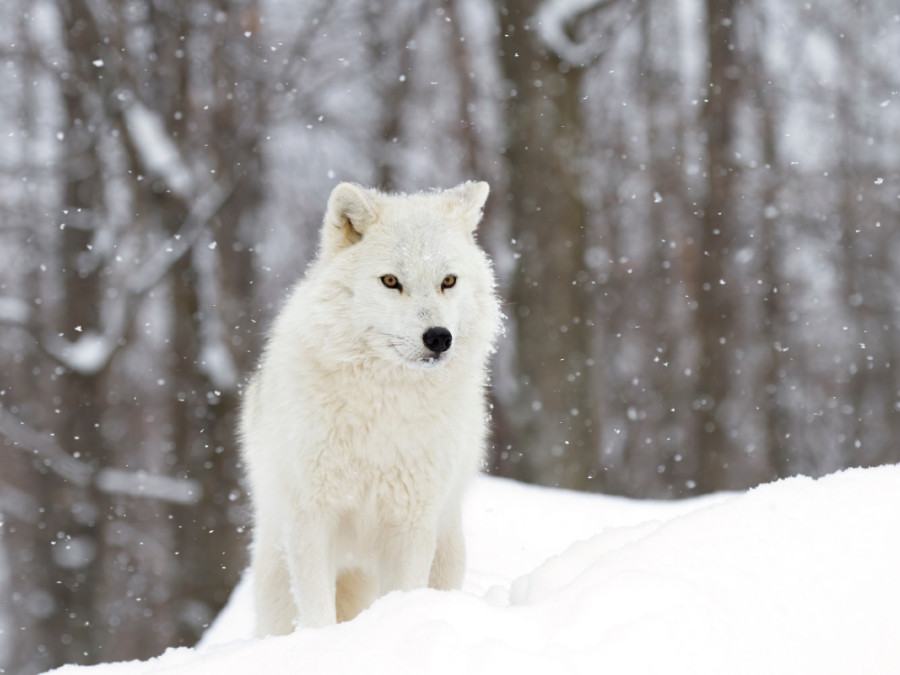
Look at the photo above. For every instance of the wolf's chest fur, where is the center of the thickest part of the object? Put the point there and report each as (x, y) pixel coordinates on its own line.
(384, 447)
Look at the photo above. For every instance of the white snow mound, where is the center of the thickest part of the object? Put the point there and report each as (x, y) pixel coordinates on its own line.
(797, 576)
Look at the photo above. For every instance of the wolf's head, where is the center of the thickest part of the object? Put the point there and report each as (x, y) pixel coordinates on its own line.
(409, 284)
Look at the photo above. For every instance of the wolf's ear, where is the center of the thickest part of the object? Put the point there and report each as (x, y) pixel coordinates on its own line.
(469, 198)
(351, 210)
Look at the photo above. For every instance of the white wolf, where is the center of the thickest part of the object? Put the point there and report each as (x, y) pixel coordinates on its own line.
(367, 417)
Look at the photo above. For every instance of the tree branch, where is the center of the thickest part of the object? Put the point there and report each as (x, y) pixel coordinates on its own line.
(44, 446)
(203, 210)
(92, 351)
(15, 312)
(18, 503)
(555, 18)
(114, 481)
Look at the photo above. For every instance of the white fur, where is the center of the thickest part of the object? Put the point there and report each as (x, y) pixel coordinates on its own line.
(357, 440)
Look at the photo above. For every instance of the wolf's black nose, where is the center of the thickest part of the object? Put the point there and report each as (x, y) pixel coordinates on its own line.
(437, 339)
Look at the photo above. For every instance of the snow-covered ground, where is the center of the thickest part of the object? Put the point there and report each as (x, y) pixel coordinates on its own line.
(798, 576)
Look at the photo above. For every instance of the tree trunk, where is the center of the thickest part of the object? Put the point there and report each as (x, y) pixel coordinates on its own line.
(553, 423)
(716, 311)
(72, 521)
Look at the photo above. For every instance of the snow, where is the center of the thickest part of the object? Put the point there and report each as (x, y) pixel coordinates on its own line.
(157, 150)
(87, 355)
(794, 576)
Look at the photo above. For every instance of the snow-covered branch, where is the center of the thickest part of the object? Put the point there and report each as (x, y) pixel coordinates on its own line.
(14, 311)
(156, 150)
(92, 351)
(45, 447)
(216, 360)
(112, 481)
(18, 503)
(152, 486)
(87, 355)
(203, 209)
(556, 18)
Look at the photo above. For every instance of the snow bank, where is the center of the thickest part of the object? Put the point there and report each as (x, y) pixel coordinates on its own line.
(798, 576)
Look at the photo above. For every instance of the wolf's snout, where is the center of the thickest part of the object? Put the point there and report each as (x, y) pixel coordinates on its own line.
(437, 339)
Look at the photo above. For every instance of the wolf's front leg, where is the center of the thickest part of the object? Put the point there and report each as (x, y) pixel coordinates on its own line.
(275, 610)
(449, 566)
(406, 558)
(309, 550)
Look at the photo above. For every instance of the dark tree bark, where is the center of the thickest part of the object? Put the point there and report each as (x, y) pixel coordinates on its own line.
(717, 311)
(74, 512)
(553, 423)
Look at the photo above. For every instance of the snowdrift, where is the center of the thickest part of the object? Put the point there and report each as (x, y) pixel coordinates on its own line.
(798, 576)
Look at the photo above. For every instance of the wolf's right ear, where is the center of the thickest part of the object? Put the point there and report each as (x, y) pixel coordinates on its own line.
(469, 198)
(351, 210)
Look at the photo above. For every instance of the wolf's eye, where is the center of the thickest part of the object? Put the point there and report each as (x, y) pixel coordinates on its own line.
(391, 281)
(449, 281)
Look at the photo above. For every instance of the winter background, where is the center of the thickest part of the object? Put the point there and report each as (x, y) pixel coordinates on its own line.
(693, 218)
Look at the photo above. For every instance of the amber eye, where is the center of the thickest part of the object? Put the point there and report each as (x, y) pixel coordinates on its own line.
(391, 281)
(449, 281)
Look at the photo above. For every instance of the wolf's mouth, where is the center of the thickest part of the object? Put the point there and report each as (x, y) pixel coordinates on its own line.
(423, 362)
(433, 361)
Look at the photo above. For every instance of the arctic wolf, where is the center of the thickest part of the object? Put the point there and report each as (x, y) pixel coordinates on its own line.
(367, 416)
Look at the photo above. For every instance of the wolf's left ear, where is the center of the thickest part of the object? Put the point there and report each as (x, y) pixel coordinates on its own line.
(351, 210)
(470, 198)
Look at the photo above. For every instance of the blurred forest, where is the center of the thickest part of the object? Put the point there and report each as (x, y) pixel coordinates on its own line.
(693, 217)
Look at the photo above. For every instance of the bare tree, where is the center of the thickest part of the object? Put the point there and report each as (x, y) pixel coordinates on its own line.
(140, 540)
(716, 305)
(550, 299)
